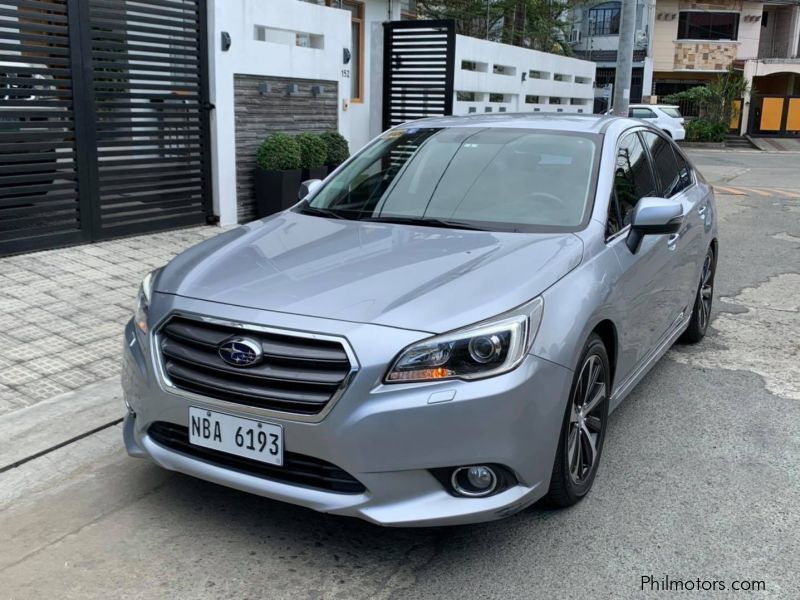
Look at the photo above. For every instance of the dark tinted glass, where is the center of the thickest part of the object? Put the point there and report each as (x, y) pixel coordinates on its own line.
(633, 179)
(665, 164)
(494, 178)
(708, 25)
(684, 169)
(613, 223)
(604, 19)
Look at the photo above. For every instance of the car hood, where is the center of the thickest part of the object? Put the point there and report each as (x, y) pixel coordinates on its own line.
(413, 277)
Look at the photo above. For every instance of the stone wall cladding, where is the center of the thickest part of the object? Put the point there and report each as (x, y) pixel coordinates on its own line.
(704, 56)
(258, 115)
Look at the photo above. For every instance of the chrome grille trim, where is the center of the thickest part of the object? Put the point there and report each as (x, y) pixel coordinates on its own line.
(168, 386)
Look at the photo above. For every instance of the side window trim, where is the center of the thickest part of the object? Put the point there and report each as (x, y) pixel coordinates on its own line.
(649, 158)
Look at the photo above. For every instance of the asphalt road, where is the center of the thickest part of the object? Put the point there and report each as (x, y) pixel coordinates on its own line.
(700, 478)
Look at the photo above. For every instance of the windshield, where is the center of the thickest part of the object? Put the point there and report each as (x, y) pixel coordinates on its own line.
(484, 178)
(671, 111)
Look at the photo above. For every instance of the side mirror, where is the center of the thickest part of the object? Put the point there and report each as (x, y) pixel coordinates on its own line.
(307, 187)
(653, 216)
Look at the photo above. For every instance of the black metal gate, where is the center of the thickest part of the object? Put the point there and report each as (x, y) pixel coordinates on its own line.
(418, 69)
(103, 119)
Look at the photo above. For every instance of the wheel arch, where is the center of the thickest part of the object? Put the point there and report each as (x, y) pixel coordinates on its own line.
(608, 333)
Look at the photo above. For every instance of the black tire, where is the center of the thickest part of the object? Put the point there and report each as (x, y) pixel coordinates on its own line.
(701, 311)
(572, 479)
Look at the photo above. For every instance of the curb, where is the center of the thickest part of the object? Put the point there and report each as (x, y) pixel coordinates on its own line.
(31, 432)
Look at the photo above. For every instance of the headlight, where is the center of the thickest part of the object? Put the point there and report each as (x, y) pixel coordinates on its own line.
(143, 301)
(489, 348)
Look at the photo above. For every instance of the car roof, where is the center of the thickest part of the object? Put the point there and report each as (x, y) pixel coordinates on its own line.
(551, 121)
(653, 106)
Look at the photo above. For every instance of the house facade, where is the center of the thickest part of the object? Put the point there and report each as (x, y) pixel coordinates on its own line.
(680, 44)
(594, 36)
(693, 42)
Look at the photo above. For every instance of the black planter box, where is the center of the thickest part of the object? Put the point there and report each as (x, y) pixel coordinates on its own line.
(315, 173)
(276, 190)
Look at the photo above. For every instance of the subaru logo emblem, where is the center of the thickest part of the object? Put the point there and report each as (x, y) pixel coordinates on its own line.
(240, 352)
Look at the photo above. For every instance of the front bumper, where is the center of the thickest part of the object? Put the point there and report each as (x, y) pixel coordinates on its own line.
(386, 436)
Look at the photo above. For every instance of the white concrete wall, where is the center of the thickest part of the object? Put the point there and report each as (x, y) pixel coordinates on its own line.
(249, 56)
(362, 127)
(520, 61)
(281, 58)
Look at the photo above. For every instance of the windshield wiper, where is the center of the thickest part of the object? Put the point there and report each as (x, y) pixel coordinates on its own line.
(320, 212)
(424, 222)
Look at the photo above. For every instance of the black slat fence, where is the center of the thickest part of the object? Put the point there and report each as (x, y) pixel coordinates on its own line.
(418, 70)
(103, 119)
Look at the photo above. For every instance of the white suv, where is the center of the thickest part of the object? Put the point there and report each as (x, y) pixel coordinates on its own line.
(663, 116)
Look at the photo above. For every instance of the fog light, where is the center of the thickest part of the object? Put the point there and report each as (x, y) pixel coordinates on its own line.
(474, 481)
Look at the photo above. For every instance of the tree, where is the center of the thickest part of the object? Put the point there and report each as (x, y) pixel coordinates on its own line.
(714, 101)
(536, 24)
(714, 104)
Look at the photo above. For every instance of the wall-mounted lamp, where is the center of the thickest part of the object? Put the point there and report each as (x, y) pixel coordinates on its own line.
(264, 88)
(226, 41)
(346, 56)
(317, 90)
(524, 76)
(292, 89)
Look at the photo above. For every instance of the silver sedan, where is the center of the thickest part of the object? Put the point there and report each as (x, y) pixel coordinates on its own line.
(437, 333)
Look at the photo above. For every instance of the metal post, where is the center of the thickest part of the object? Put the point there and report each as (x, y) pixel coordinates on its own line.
(622, 78)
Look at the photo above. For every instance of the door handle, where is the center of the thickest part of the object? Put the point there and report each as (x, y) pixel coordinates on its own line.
(672, 242)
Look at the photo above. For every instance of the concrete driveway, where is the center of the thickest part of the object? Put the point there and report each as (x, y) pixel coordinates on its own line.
(699, 481)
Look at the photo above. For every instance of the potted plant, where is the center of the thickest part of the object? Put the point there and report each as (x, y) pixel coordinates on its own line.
(313, 152)
(337, 149)
(278, 174)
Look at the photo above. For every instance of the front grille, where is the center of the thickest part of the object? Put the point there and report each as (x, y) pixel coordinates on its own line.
(297, 469)
(297, 374)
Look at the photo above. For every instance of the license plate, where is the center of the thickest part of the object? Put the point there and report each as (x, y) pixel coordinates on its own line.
(243, 437)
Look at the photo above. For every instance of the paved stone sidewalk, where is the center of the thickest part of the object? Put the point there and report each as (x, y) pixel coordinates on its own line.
(62, 311)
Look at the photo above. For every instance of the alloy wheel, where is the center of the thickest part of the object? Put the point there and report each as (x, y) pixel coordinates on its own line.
(586, 419)
(706, 291)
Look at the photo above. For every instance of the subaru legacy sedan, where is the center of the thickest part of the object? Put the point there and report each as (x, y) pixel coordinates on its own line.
(437, 333)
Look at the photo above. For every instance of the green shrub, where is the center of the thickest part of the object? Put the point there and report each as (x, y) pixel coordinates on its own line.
(337, 149)
(313, 150)
(279, 152)
(705, 130)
